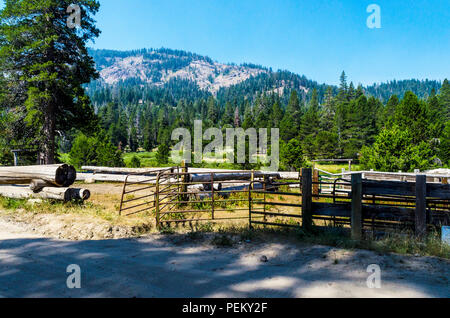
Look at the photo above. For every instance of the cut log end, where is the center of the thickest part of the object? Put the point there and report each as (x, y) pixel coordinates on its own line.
(65, 175)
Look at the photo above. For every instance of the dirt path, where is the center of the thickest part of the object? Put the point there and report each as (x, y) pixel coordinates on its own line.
(175, 266)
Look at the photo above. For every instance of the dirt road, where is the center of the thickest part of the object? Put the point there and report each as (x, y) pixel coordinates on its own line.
(175, 266)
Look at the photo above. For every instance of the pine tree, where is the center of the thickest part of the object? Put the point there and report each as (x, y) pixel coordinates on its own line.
(412, 114)
(290, 124)
(444, 97)
(277, 113)
(46, 63)
(310, 126)
(228, 116)
(343, 88)
(328, 111)
(237, 118)
(389, 110)
(437, 115)
(444, 152)
(213, 111)
(248, 117)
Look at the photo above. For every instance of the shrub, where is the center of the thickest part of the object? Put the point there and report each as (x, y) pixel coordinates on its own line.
(162, 156)
(394, 150)
(135, 162)
(95, 150)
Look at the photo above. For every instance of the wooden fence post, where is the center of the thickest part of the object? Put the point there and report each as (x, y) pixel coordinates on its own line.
(212, 197)
(357, 196)
(421, 205)
(157, 211)
(184, 180)
(316, 182)
(307, 199)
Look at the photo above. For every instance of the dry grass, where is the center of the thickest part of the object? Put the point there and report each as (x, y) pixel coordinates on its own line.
(104, 207)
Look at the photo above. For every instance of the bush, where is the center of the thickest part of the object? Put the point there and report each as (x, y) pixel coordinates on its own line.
(162, 156)
(95, 150)
(394, 150)
(292, 155)
(135, 162)
(6, 157)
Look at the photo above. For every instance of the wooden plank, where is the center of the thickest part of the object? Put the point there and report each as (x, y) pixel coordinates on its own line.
(388, 212)
(436, 190)
(371, 187)
(421, 205)
(357, 195)
(368, 211)
(316, 182)
(330, 209)
(307, 199)
(205, 178)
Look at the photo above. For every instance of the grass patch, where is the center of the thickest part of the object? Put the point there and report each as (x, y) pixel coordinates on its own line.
(336, 168)
(12, 204)
(400, 243)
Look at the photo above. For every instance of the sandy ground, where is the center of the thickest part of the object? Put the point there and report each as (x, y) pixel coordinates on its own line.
(176, 266)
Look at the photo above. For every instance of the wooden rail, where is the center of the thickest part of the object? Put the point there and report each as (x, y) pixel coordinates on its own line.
(177, 195)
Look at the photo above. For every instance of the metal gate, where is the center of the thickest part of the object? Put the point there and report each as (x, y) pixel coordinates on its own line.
(140, 189)
(265, 202)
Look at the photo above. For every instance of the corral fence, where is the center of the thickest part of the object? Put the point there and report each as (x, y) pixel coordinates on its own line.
(175, 195)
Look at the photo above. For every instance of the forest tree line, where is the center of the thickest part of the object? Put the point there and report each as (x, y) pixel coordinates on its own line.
(401, 134)
(51, 104)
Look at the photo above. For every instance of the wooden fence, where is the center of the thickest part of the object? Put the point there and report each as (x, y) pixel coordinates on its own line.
(176, 195)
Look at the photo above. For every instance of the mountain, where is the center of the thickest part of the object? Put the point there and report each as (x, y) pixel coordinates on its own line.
(159, 67)
(178, 75)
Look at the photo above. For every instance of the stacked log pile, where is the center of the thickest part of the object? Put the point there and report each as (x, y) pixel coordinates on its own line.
(44, 182)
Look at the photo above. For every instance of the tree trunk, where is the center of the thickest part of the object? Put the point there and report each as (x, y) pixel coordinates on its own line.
(48, 145)
(61, 194)
(58, 175)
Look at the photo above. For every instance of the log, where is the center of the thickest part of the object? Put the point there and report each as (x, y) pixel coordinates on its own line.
(37, 185)
(203, 187)
(125, 171)
(61, 194)
(231, 176)
(58, 175)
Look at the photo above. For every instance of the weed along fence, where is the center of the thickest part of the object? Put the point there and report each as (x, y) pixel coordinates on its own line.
(177, 195)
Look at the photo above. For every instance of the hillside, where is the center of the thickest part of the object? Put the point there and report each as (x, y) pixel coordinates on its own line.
(159, 67)
(183, 74)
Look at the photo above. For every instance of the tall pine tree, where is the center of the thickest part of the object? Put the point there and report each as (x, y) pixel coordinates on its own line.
(45, 63)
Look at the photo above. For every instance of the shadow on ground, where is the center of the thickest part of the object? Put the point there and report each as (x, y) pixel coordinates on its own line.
(159, 267)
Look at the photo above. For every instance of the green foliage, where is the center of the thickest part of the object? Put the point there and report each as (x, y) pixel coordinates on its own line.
(412, 114)
(95, 151)
(292, 155)
(162, 156)
(394, 150)
(135, 162)
(444, 153)
(444, 98)
(44, 65)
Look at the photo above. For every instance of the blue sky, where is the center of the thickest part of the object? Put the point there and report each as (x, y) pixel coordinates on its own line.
(317, 38)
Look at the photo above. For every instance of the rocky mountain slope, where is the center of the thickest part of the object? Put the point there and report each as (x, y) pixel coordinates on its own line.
(160, 66)
(169, 69)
